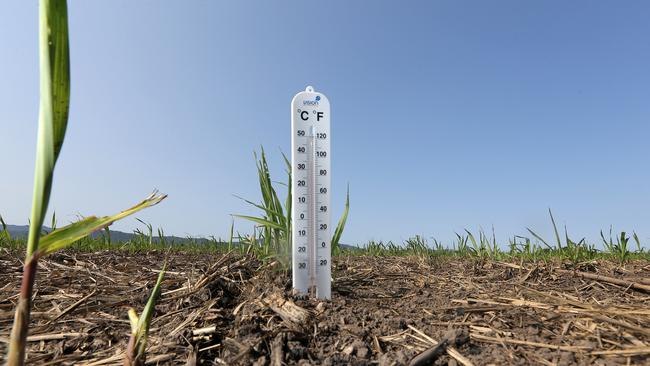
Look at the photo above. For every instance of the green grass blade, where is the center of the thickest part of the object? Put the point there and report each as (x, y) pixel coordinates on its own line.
(135, 352)
(232, 232)
(261, 221)
(269, 211)
(475, 245)
(288, 200)
(539, 238)
(639, 248)
(63, 237)
(341, 225)
(145, 318)
(557, 235)
(54, 107)
(4, 235)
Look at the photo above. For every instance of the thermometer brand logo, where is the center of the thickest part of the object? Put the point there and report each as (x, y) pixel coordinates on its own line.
(311, 102)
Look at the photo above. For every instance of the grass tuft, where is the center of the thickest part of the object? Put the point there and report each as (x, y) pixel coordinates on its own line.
(271, 238)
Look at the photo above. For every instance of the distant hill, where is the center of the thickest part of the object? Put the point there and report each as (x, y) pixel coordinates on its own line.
(21, 232)
(17, 231)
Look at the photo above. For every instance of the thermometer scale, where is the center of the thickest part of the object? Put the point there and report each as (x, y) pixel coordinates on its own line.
(310, 184)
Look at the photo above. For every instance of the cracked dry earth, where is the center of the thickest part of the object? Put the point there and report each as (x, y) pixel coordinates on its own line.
(228, 309)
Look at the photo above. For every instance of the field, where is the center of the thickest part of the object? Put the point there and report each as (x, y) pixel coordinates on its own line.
(71, 295)
(219, 308)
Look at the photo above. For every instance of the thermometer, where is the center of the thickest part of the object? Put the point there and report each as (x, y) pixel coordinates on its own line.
(310, 184)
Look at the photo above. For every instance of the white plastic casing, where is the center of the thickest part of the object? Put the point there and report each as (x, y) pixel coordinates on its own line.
(310, 183)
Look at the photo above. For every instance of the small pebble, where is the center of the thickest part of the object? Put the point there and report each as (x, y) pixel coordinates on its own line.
(348, 350)
(362, 350)
(320, 307)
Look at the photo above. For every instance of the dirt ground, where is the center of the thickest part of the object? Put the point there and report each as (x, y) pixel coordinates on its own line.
(227, 309)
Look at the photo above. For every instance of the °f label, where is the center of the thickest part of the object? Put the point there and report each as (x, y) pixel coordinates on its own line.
(311, 168)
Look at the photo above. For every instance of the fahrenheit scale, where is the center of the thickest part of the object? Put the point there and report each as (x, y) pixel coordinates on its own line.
(310, 184)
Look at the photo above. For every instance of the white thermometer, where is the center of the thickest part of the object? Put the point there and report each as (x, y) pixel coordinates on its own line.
(310, 184)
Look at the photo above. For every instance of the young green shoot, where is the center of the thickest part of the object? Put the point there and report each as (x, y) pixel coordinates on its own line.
(135, 351)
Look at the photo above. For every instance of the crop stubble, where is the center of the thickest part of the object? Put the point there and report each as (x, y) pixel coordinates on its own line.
(229, 309)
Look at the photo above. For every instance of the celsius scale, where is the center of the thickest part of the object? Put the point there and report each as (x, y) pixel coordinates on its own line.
(310, 184)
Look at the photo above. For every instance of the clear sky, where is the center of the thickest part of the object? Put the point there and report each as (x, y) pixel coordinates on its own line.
(445, 114)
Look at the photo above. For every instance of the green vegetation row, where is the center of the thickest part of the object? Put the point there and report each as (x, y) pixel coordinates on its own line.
(617, 247)
(518, 248)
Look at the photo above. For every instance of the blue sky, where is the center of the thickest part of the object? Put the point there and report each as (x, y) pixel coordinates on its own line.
(445, 115)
